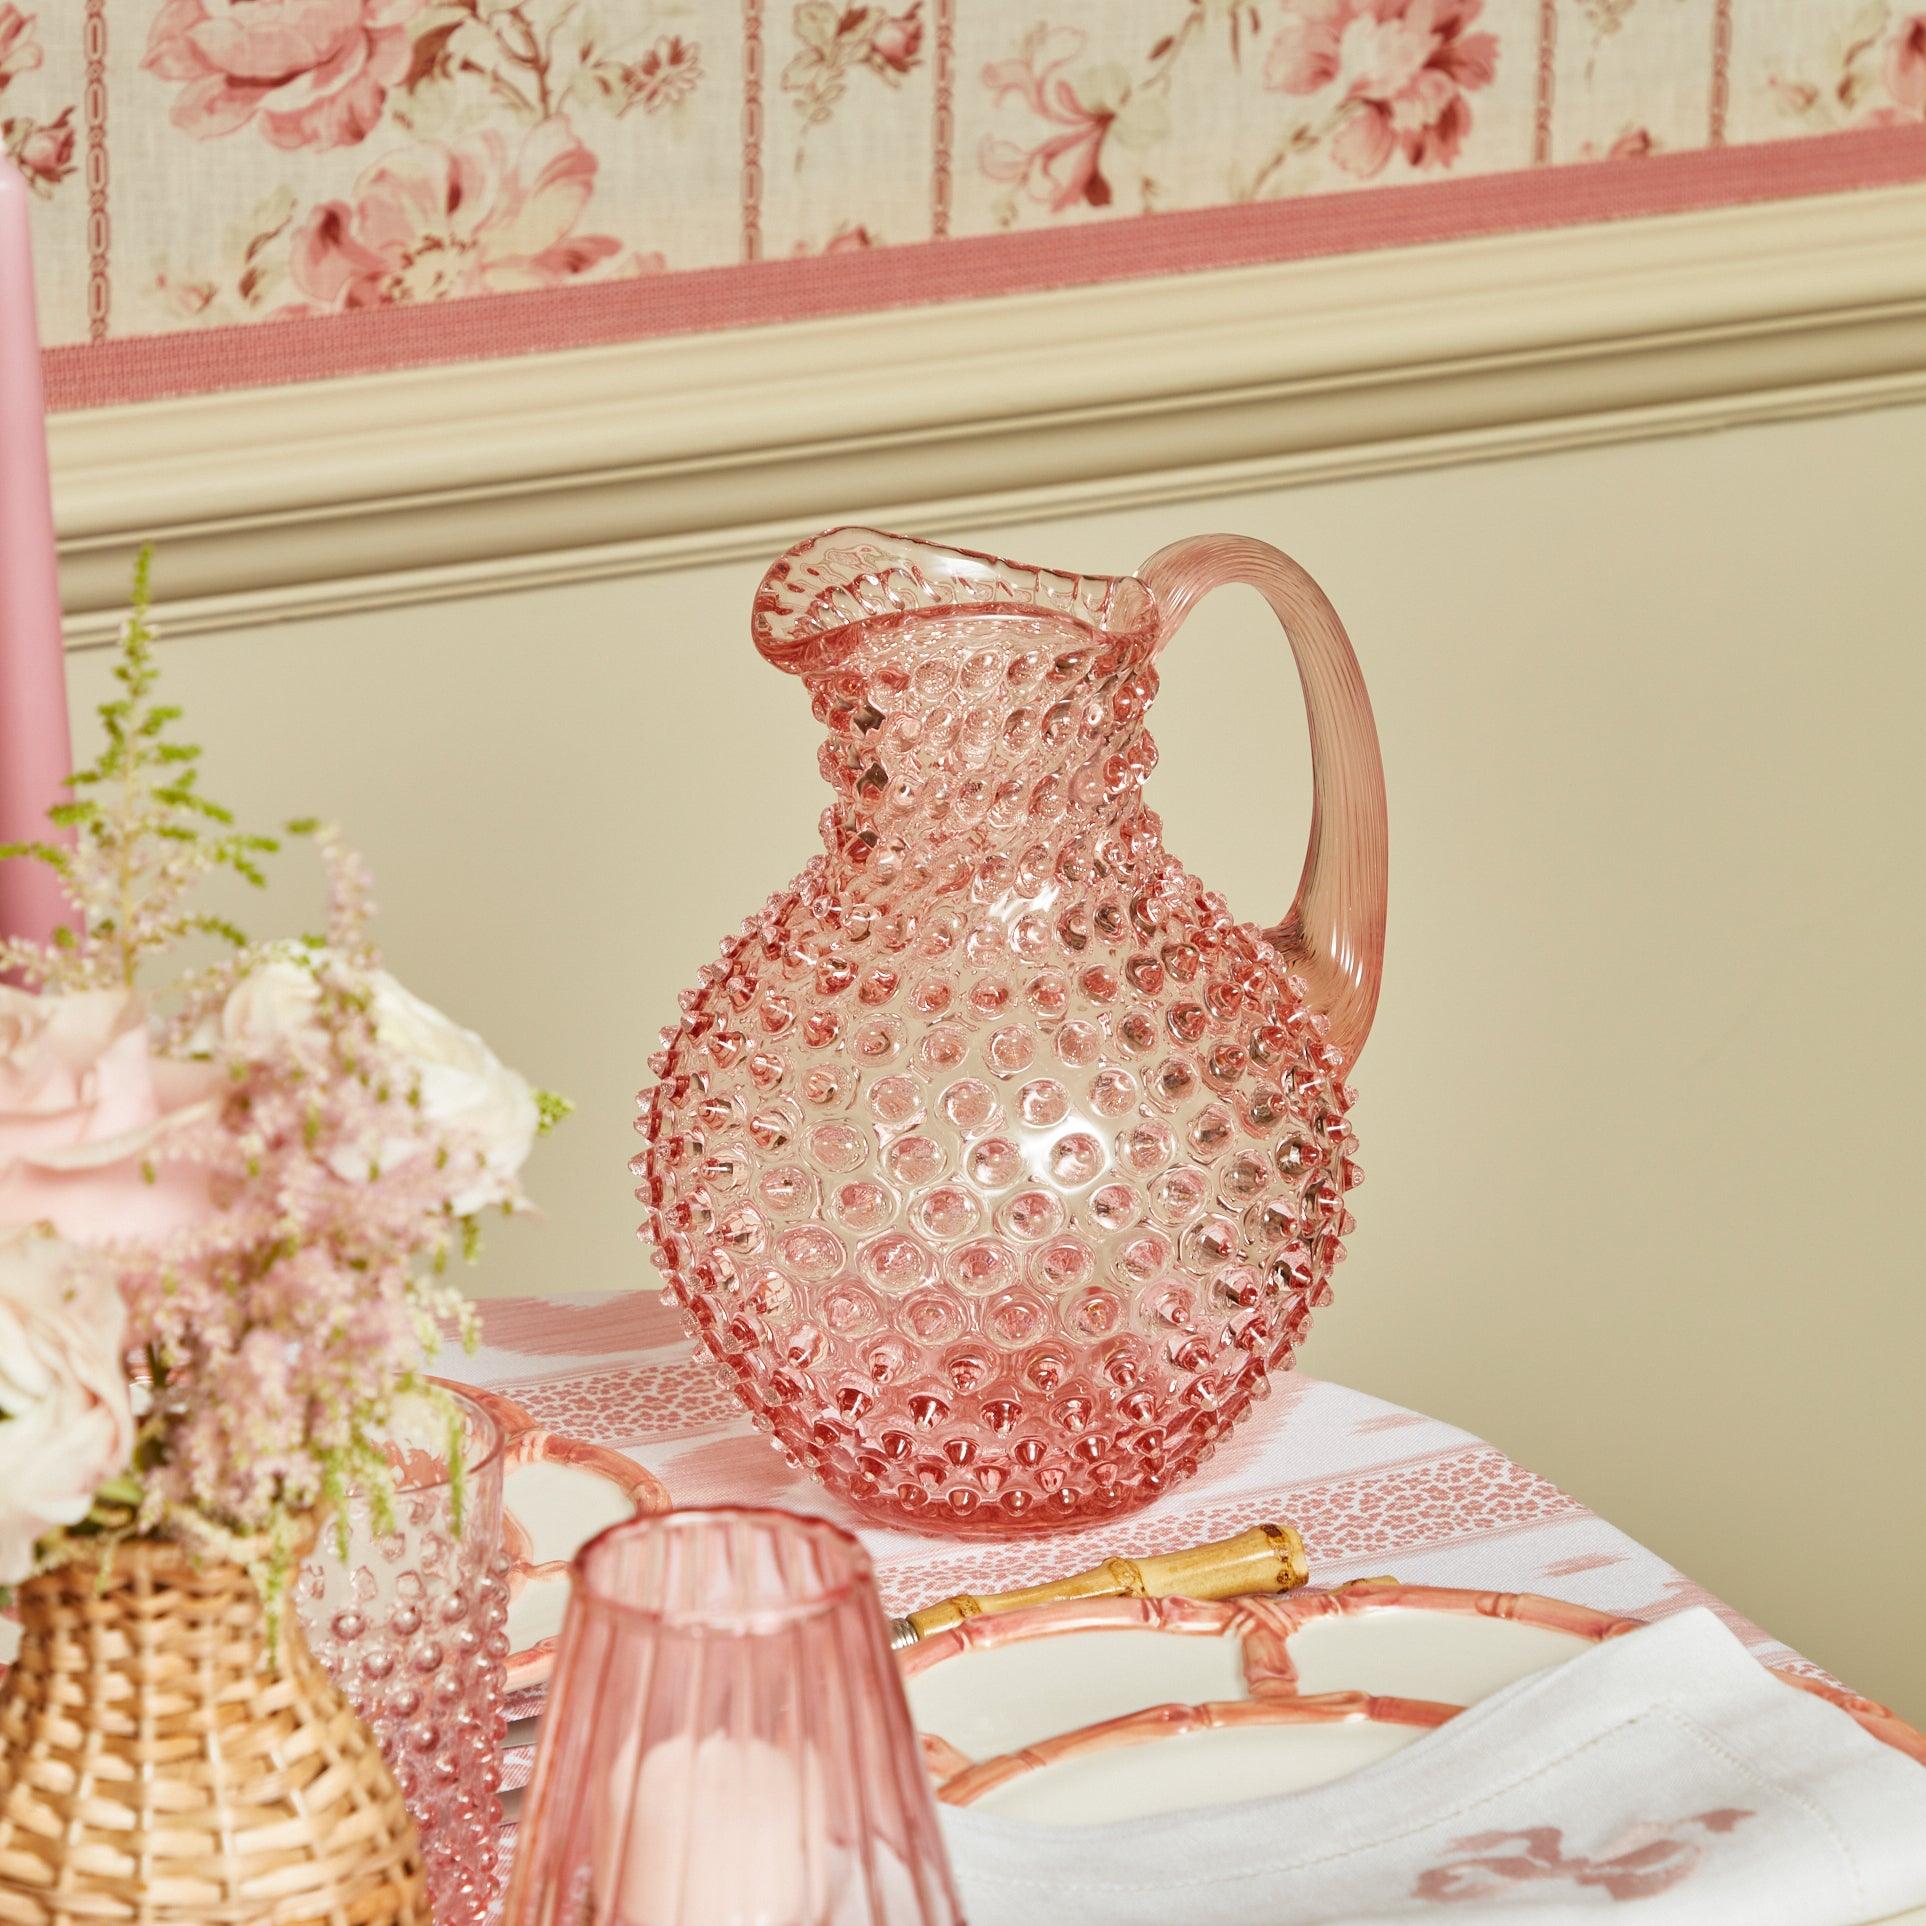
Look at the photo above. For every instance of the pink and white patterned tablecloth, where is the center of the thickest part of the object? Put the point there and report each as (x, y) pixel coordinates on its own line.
(1372, 1487)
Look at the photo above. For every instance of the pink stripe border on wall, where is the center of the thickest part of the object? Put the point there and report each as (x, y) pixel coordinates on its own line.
(144, 368)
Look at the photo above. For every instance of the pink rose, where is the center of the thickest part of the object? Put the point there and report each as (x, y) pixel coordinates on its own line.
(894, 43)
(65, 1422)
(1404, 67)
(1905, 65)
(86, 1112)
(20, 52)
(429, 222)
(46, 154)
(315, 72)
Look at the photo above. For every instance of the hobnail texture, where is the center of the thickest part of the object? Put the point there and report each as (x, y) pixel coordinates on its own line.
(413, 1626)
(996, 1162)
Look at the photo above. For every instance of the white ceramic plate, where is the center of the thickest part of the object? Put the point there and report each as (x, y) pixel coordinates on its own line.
(1102, 1709)
(1210, 1767)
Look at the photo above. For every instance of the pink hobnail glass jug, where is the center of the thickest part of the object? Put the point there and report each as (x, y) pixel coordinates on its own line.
(996, 1162)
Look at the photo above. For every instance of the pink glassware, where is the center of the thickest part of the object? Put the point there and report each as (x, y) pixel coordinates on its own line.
(413, 1626)
(995, 1160)
(726, 1742)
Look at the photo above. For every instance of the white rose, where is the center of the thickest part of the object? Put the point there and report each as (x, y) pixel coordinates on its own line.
(65, 1422)
(272, 1003)
(466, 1090)
(465, 1087)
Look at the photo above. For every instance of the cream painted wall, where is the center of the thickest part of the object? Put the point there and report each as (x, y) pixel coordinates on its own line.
(1643, 1111)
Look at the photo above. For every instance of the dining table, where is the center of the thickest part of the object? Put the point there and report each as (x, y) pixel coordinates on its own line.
(1374, 1488)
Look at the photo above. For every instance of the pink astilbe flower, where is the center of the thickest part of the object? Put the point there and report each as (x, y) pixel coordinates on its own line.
(282, 1325)
(341, 1140)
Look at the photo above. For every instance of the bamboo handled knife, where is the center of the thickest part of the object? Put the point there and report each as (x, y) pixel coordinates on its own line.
(1266, 1558)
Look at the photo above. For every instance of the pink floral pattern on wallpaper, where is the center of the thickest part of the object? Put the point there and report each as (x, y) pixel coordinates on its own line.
(665, 76)
(835, 44)
(40, 144)
(327, 156)
(498, 207)
(1403, 70)
(1078, 110)
(852, 238)
(430, 222)
(1639, 1864)
(1875, 77)
(308, 73)
(1364, 84)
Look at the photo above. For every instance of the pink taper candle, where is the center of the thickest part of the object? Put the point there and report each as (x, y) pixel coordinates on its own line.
(35, 750)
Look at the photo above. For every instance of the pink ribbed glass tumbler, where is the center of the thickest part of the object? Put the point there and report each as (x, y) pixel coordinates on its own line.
(726, 1742)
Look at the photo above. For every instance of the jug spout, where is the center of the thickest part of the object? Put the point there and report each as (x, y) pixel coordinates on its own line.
(964, 697)
(821, 598)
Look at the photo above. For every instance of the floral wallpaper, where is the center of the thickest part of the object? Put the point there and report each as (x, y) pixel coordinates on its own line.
(203, 165)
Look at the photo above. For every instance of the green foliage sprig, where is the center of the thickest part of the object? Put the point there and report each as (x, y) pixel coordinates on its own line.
(144, 835)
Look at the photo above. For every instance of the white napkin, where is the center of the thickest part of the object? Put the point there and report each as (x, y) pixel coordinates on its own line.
(1662, 1777)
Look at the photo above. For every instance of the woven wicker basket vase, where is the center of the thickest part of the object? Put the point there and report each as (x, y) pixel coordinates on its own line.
(156, 1766)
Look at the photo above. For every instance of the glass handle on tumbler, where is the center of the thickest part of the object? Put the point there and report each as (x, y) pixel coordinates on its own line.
(1333, 934)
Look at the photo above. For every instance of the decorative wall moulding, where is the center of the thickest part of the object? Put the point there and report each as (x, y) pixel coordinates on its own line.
(448, 480)
(397, 321)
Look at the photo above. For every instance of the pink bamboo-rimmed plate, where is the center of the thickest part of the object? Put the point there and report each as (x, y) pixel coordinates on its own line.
(1245, 1749)
(557, 1493)
(1275, 1693)
(1372, 1601)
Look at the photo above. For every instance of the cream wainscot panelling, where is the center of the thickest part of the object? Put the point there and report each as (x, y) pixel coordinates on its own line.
(1641, 1112)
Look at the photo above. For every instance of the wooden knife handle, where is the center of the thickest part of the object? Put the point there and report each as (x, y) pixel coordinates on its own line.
(1267, 1558)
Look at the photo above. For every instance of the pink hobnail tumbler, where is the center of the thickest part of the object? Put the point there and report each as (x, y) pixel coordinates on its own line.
(995, 1160)
(413, 1626)
(726, 1741)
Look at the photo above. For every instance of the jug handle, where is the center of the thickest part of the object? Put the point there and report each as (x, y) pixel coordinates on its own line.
(1333, 935)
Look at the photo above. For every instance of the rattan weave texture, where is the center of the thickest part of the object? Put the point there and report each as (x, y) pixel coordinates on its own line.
(157, 1767)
